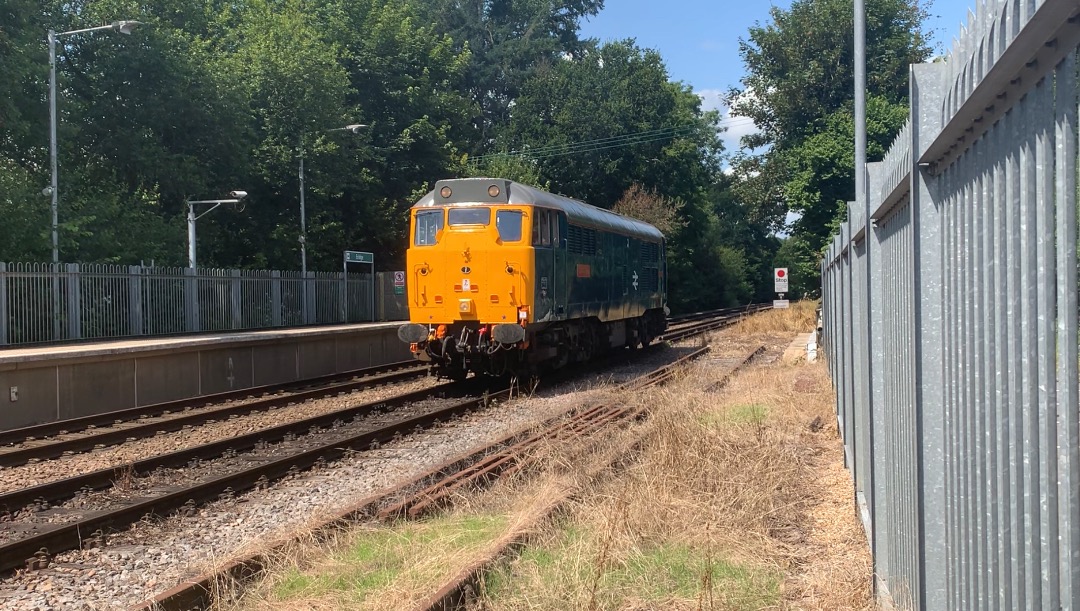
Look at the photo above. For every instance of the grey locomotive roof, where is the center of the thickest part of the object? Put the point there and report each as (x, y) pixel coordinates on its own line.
(577, 212)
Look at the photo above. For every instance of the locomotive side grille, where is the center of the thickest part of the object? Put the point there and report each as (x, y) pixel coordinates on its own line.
(650, 253)
(649, 281)
(581, 241)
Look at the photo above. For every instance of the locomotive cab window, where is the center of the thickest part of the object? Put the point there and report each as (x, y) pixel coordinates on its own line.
(469, 216)
(428, 225)
(544, 228)
(508, 222)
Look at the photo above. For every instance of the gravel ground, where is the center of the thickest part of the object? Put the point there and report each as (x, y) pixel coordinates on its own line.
(24, 476)
(152, 557)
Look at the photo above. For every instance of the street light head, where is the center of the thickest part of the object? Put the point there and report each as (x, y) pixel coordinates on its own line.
(125, 27)
(47, 191)
(355, 127)
(238, 194)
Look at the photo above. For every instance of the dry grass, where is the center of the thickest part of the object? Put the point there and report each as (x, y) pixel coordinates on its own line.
(801, 317)
(735, 499)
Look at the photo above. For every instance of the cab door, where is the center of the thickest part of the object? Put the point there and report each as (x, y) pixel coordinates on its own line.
(545, 279)
(560, 277)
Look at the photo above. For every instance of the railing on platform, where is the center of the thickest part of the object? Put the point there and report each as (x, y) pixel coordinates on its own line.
(951, 325)
(42, 302)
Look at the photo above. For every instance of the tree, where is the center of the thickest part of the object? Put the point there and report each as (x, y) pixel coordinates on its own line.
(508, 40)
(601, 122)
(821, 167)
(800, 67)
(649, 206)
(799, 91)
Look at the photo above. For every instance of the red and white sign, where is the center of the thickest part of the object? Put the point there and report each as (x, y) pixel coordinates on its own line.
(780, 277)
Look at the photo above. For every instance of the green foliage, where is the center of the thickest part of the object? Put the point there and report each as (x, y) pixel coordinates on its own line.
(510, 40)
(374, 560)
(621, 120)
(207, 97)
(800, 67)
(25, 214)
(821, 168)
(511, 167)
(24, 66)
(799, 89)
(803, 262)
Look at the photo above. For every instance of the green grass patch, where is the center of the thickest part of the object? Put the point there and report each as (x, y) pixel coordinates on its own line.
(562, 575)
(744, 413)
(376, 559)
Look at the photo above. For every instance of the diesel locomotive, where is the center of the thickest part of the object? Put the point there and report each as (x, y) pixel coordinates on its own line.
(505, 278)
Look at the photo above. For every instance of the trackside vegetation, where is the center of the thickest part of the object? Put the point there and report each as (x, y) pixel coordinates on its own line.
(727, 497)
(207, 96)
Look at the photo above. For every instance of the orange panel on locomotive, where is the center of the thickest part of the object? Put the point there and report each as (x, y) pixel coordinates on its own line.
(506, 278)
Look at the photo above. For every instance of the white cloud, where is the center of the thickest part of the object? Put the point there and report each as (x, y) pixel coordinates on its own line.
(737, 127)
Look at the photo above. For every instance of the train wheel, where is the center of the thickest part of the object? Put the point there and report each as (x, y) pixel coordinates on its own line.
(643, 332)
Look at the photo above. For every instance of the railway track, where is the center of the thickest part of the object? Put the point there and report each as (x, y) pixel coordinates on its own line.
(54, 439)
(93, 528)
(435, 487)
(67, 437)
(458, 592)
(38, 547)
(690, 325)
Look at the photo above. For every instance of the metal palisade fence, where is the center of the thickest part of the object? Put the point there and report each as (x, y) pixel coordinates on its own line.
(48, 303)
(951, 325)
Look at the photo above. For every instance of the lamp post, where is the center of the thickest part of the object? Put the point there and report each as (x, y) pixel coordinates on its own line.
(235, 197)
(353, 128)
(124, 27)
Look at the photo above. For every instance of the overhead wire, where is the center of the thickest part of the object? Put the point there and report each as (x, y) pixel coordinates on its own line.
(609, 142)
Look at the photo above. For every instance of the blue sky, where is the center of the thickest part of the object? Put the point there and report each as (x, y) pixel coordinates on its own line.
(699, 39)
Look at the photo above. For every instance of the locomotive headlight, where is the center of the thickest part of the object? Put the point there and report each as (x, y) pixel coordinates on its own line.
(493, 191)
(445, 192)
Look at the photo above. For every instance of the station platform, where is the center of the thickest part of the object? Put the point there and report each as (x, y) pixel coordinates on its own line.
(49, 383)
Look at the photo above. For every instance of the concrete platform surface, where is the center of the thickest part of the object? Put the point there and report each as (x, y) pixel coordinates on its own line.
(14, 358)
(48, 383)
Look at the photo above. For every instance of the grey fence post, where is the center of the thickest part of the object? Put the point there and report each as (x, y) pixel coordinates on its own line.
(380, 296)
(927, 92)
(307, 297)
(5, 336)
(344, 296)
(74, 301)
(235, 303)
(135, 303)
(275, 298)
(54, 300)
(191, 299)
(876, 498)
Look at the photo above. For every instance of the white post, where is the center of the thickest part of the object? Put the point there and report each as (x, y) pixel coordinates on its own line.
(303, 214)
(191, 235)
(53, 192)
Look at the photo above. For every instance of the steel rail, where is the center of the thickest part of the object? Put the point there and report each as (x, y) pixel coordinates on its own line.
(582, 423)
(90, 441)
(691, 329)
(104, 478)
(692, 316)
(73, 425)
(198, 593)
(71, 535)
(459, 591)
